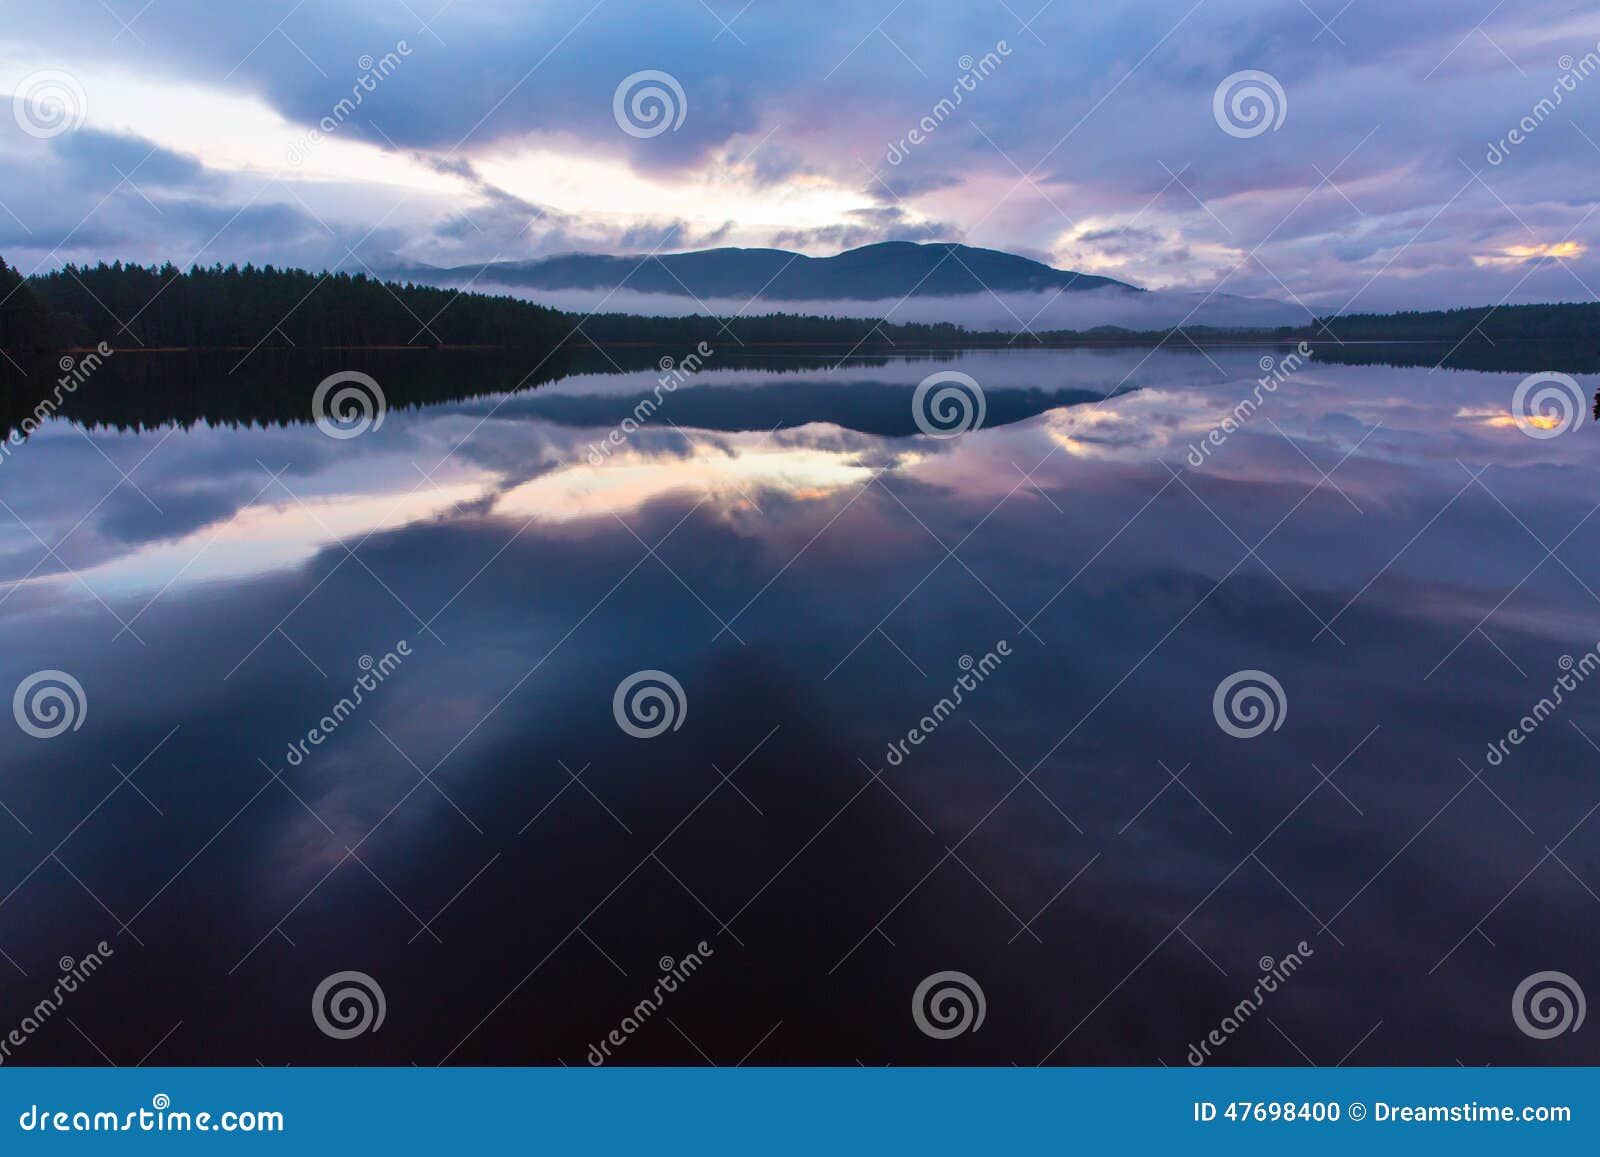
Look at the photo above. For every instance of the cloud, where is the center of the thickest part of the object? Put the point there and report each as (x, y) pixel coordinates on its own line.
(90, 195)
(1522, 254)
(92, 156)
(1092, 144)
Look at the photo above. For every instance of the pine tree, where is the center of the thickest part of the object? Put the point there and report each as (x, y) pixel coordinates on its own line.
(24, 323)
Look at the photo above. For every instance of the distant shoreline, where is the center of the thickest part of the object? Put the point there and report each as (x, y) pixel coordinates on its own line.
(246, 311)
(879, 348)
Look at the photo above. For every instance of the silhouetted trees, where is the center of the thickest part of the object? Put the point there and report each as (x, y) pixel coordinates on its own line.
(1558, 323)
(147, 391)
(250, 307)
(24, 323)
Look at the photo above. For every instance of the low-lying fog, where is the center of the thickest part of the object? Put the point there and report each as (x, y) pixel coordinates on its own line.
(1080, 310)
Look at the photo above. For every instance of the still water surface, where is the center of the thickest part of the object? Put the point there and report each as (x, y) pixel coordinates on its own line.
(1079, 835)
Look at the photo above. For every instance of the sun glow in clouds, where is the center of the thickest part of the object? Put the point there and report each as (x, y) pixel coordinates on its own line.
(1521, 254)
(596, 186)
(239, 134)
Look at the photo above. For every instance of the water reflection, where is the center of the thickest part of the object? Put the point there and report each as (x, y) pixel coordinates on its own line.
(1081, 836)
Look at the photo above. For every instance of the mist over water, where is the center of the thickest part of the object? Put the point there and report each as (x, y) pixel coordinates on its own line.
(1013, 312)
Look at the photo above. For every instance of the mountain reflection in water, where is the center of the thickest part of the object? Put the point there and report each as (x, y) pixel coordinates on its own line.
(1081, 837)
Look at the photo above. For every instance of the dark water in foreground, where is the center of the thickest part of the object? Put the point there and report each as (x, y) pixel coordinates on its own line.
(1078, 835)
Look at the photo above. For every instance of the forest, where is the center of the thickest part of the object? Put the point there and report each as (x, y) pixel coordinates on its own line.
(250, 307)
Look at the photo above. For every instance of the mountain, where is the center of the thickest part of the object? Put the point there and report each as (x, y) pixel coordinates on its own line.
(891, 269)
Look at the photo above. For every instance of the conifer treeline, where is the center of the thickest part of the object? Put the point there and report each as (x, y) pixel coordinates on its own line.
(24, 323)
(220, 307)
(275, 387)
(233, 306)
(1558, 323)
(248, 307)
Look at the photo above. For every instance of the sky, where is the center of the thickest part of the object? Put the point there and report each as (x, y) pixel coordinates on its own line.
(1379, 155)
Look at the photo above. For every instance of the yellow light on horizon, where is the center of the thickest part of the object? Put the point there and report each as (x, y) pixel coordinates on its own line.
(1519, 254)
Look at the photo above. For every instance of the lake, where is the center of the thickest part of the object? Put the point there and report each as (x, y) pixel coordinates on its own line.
(772, 694)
